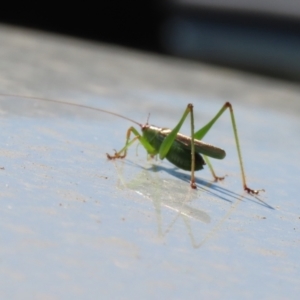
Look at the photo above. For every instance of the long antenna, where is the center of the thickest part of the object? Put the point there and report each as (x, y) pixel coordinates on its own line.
(73, 104)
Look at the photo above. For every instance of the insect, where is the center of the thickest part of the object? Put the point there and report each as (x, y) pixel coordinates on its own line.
(186, 152)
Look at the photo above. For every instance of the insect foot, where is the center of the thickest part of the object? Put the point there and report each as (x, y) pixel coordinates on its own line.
(216, 178)
(116, 156)
(193, 185)
(254, 192)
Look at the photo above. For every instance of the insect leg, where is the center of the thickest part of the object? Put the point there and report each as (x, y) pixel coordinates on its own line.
(168, 141)
(203, 131)
(123, 152)
(207, 161)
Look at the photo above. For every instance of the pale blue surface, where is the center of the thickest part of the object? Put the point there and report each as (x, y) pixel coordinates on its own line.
(77, 226)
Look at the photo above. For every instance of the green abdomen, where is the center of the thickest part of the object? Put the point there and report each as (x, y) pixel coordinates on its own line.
(182, 158)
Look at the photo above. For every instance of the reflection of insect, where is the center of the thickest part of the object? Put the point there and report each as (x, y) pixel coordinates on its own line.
(181, 150)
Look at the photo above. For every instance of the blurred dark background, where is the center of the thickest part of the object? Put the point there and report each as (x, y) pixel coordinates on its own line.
(256, 36)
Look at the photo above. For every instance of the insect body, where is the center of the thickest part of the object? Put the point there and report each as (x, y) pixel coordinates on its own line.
(186, 152)
(180, 151)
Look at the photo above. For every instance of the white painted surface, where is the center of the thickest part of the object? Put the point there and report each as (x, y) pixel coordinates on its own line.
(77, 226)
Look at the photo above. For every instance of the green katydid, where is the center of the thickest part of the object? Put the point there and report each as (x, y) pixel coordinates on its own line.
(183, 151)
